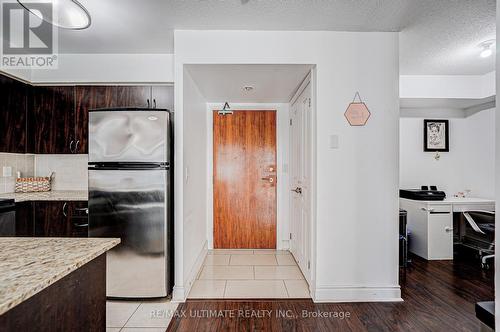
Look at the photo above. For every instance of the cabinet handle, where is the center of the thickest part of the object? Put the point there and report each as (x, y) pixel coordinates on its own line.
(148, 104)
(448, 229)
(76, 146)
(64, 211)
(71, 146)
(154, 103)
(80, 225)
(83, 209)
(426, 209)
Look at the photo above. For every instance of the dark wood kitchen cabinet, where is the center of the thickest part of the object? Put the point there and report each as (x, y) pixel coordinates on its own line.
(52, 120)
(60, 219)
(163, 96)
(25, 222)
(13, 115)
(96, 97)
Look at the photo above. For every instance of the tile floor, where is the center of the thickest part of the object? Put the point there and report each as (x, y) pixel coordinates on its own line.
(233, 274)
(128, 316)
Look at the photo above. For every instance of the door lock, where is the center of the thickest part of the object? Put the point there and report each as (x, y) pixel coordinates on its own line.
(298, 190)
(270, 179)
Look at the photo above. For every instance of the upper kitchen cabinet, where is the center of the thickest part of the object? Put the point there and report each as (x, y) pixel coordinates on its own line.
(13, 115)
(88, 98)
(52, 120)
(163, 96)
(96, 97)
(133, 96)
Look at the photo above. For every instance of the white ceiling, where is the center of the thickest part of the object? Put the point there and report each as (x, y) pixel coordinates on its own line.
(271, 83)
(438, 36)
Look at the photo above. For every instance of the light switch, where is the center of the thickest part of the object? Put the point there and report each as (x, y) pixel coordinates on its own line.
(333, 141)
(6, 171)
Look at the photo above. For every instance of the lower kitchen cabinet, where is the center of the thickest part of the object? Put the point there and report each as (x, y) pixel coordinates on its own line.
(60, 219)
(25, 222)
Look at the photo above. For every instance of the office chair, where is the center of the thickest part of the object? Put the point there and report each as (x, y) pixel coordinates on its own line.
(481, 234)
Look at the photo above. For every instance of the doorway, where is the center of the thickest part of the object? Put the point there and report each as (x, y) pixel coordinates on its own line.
(244, 179)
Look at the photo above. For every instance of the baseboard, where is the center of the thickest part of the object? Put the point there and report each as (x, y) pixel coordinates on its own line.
(178, 294)
(357, 294)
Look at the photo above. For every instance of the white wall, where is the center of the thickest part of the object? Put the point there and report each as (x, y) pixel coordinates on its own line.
(451, 86)
(470, 164)
(356, 186)
(194, 241)
(282, 151)
(107, 68)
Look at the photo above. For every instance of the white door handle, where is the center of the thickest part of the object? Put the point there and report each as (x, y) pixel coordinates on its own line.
(448, 229)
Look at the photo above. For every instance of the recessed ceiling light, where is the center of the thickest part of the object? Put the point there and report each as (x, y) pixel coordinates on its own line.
(248, 88)
(66, 14)
(487, 48)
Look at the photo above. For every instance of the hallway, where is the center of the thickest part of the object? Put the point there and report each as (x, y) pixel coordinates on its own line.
(236, 274)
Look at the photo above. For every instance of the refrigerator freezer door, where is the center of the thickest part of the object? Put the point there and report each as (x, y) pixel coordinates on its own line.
(129, 136)
(132, 205)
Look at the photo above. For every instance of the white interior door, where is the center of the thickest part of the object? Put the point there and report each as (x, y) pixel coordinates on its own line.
(300, 170)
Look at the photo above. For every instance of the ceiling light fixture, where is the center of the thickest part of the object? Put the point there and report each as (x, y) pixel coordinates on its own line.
(67, 14)
(248, 88)
(487, 48)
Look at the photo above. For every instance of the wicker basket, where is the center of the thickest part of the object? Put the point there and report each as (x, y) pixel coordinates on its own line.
(35, 184)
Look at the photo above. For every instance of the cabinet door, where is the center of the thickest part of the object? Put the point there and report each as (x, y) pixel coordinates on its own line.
(60, 219)
(163, 97)
(13, 110)
(95, 97)
(78, 218)
(50, 219)
(88, 98)
(25, 223)
(133, 96)
(52, 119)
(440, 233)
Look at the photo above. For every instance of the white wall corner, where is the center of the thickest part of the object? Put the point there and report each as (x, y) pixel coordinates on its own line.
(188, 283)
(357, 294)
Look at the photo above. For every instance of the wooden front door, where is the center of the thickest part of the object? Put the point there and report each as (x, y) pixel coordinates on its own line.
(245, 180)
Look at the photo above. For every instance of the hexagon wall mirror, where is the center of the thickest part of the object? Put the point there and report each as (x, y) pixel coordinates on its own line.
(357, 113)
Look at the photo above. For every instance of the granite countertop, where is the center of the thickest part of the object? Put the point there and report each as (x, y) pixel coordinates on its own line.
(48, 196)
(29, 265)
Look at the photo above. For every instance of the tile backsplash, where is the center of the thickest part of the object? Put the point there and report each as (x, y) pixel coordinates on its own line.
(23, 163)
(70, 171)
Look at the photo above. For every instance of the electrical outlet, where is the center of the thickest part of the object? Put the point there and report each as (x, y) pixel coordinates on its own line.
(6, 171)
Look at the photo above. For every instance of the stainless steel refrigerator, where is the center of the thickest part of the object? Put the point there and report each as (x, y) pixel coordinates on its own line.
(130, 197)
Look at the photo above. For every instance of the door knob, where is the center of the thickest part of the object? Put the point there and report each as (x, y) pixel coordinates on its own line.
(298, 190)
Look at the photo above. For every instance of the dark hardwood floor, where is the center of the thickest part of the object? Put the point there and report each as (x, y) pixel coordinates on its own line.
(438, 296)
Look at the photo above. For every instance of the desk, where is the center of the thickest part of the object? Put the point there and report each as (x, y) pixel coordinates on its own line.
(431, 224)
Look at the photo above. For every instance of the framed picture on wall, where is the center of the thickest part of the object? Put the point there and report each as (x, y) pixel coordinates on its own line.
(436, 136)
